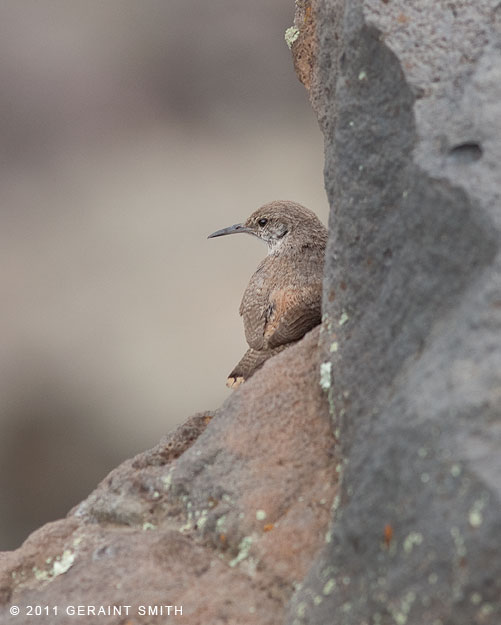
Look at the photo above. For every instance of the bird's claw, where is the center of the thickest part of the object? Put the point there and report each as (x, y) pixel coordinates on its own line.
(234, 382)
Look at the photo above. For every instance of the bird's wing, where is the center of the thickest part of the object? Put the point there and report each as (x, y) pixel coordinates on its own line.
(255, 311)
(293, 313)
(281, 316)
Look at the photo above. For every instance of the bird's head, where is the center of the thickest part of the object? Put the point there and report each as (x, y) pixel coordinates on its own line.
(276, 223)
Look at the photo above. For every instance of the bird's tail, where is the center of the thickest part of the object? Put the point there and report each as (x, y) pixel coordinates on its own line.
(251, 361)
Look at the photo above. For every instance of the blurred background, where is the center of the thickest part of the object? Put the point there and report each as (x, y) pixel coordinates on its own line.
(130, 130)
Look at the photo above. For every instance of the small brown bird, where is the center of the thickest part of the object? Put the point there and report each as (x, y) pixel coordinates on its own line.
(282, 301)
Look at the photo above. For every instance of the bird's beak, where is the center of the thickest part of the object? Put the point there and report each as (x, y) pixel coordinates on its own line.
(230, 230)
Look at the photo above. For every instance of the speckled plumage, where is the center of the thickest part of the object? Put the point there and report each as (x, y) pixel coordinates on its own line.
(283, 298)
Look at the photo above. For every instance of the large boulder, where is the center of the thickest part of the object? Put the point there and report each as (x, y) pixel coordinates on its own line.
(408, 94)
(221, 520)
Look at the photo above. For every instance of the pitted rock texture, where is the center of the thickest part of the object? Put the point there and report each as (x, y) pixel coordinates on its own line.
(238, 516)
(223, 517)
(410, 106)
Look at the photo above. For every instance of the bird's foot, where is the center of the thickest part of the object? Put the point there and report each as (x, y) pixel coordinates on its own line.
(234, 382)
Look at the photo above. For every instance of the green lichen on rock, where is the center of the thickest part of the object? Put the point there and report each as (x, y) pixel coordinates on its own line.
(329, 586)
(202, 520)
(243, 551)
(344, 318)
(291, 35)
(221, 524)
(413, 539)
(63, 563)
(325, 375)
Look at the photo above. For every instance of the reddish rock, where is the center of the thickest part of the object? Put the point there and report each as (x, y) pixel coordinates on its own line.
(223, 517)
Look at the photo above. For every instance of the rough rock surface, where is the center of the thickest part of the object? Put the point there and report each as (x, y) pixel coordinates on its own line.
(409, 101)
(229, 516)
(223, 517)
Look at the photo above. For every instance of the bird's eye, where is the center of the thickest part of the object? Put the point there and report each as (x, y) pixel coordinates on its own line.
(263, 221)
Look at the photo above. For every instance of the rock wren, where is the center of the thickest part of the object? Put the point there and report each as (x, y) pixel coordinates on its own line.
(282, 301)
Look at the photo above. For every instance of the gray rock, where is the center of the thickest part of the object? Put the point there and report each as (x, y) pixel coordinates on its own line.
(409, 99)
